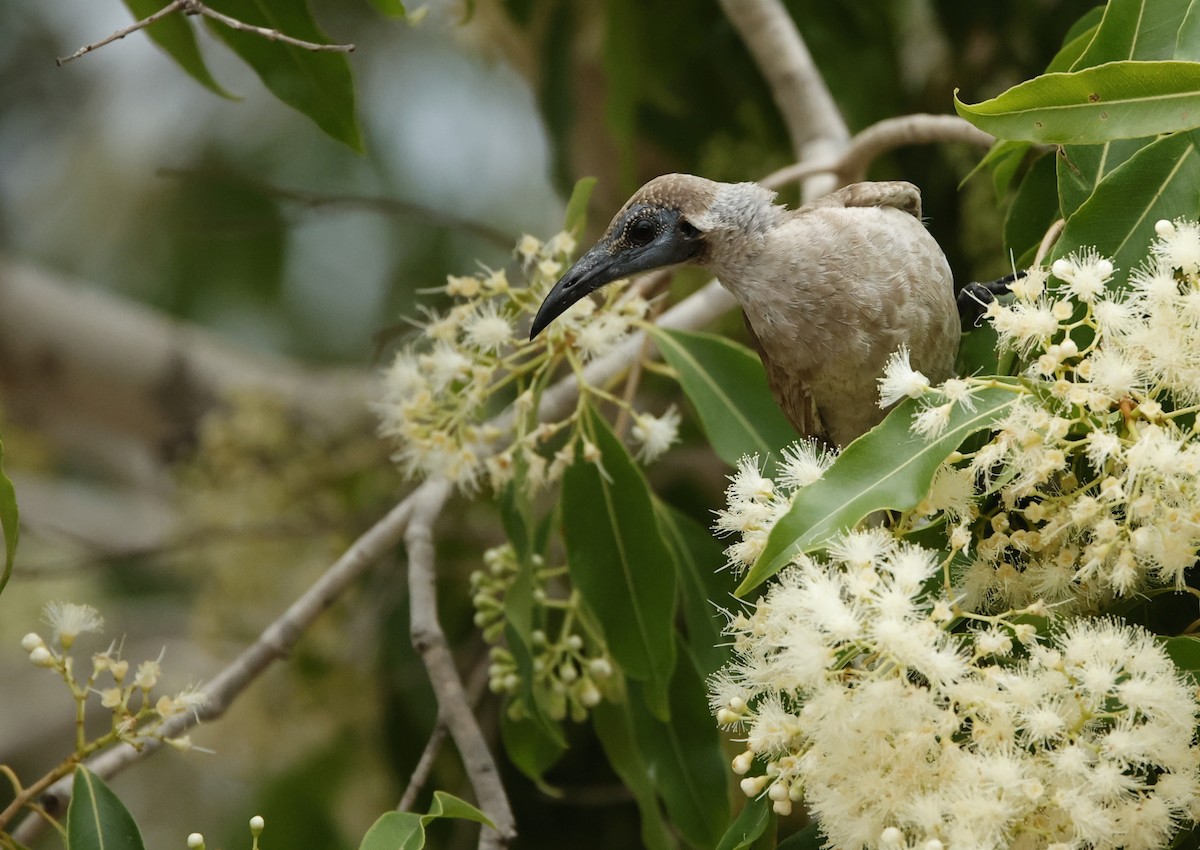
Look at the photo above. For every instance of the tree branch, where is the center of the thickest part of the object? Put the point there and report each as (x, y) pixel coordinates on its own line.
(879, 138)
(814, 123)
(195, 7)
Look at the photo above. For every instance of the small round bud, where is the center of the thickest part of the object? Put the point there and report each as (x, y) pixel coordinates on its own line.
(589, 694)
(195, 841)
(742, 763)
(752, 785)
(725, 717)
(737, 703)
(600, 668)
(1104, 267)
(538, 637)
(256, 824)
(778, 791)
(1060, 268)
(933, 844)
(42, 657)
(1164, 228)
(568, 673)
(782, 807)
(891, 838)
(574, 643)
(31, 641)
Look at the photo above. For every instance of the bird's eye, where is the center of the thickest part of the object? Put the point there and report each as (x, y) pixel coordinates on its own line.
(641, 231)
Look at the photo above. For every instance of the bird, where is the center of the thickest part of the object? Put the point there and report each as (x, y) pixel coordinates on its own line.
(829, 290)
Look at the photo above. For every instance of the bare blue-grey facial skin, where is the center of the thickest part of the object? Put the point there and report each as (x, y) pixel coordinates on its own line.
(641, 239)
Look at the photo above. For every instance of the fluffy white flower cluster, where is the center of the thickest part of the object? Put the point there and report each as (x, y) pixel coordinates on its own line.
(859, 691)
(754, 502)
(469, 362)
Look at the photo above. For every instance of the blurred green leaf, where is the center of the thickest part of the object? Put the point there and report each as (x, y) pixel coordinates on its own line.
(686, 759)
(619, 562)
(1117, 100)
(317, 83)
(808, 838)
(977, 354)
(10, 521)
(614, 728)
(1185, 652)
(577, 206)
(1086, 23)
(531, 749)
(1159, 181)
(727, 386)
(390, 8)
(1134, 29)
(406, 830)
(698, 561)
(889, 467)
(1004, 158)
(97, 819)
(1071, 51)
(174, 34)
(623, 77)
(749, 825)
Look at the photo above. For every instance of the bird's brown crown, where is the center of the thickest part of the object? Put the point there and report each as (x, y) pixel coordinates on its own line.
(689, 194)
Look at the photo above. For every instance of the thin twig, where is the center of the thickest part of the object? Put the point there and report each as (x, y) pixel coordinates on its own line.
(169, 9)
(879, 138)
(476, 688)
(195, 7)
(1048, 239)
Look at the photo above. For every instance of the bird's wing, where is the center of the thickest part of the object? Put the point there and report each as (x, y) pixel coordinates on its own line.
(893, 193)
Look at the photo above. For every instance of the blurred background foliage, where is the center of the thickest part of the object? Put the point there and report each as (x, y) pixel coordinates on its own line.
(241, 216)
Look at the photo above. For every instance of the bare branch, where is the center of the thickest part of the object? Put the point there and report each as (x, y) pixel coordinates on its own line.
(814, 122)
(879, 138)
(195, 7)
(169, 9)
(1048, 239)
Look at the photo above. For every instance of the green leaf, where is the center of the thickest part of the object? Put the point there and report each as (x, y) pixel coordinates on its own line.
(686, 759)
(1117, 100)
(1185, 652)
(577, 206)
(1070, 52)
(808, 838)
(1187, 45)
(175, 35)
(1159, 181)
(406, 830)
(1034, 208)
(727, 386)
(97, 819)
(317, 83)
(1087, 22)
(10, 521)
(619, 562)
(614, 729)
(749, 826)
(1134, 29)
(1004, 158)
(1082, 167)
(698, 561)
(390, 8)
(531, 749)
(889, 467)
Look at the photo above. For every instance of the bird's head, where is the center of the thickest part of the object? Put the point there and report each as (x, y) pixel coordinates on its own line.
(663, 224)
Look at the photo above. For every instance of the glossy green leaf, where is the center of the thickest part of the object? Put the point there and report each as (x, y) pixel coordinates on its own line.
(698, 561)
(1117, 100)
(686, 759)
(749, 825)
(406, 830)
(889, 467)
(619, 562)
(1134, 29)
(97, 819)
(577, 206)
(1159, 181)
(727, 386)
(175, 35)
(10, 521)
(316, 83)
(614, 729)
(1185, 652)
(1080, 168)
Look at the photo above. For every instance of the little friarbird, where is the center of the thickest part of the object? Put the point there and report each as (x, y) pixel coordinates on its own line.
(829, 290)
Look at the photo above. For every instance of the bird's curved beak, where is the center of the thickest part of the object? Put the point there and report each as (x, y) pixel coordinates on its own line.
(597, 267)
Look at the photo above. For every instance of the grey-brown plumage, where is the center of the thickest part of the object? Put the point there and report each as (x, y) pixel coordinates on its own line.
(829, 290)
